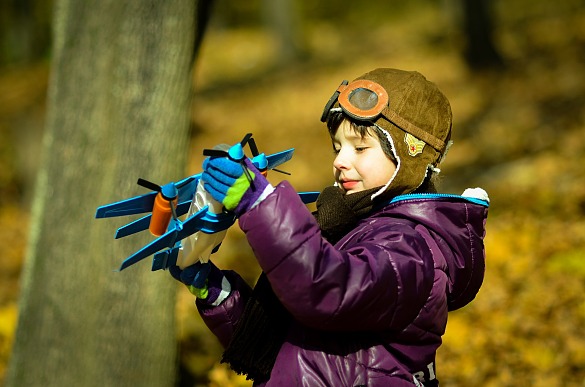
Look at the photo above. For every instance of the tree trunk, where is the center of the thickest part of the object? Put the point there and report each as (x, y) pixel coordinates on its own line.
(118, 109)
(24, 31)
(480, 50)
(281, 17)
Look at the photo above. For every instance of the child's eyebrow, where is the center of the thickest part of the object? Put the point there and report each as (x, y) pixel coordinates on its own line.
(355, 136)
(367, 138)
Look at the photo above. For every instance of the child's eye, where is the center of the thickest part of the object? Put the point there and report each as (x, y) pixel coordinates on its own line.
(336, 151)
(360, 149)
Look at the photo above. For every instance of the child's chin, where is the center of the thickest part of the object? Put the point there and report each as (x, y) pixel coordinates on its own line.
(352, 191)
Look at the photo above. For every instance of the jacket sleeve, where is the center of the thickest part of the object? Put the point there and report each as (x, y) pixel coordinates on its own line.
(221, 319)
(377, 280)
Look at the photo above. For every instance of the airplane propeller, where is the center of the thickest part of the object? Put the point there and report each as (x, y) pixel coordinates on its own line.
(236, 153)
(165, 204)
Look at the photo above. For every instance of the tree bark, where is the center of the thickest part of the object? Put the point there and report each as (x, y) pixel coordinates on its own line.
(118, 109)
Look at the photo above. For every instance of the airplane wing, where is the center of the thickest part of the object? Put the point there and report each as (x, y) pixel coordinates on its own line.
(275, 159)
(135, 205)
(143, 203)
(203, 221)
(186, 187)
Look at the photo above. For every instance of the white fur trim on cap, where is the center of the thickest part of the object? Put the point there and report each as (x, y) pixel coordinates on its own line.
(398, 161)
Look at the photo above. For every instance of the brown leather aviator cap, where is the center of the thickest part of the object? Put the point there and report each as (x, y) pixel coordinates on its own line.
(410, 109)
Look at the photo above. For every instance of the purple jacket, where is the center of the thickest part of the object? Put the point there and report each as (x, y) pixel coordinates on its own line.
(371, 310)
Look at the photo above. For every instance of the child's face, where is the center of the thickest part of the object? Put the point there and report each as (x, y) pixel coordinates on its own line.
(360, 162)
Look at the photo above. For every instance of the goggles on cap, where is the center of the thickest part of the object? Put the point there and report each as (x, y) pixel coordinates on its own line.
(362, 100)
(365, 100)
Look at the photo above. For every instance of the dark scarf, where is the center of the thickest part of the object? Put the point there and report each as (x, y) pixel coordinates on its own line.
(337, 214)
(264, 323)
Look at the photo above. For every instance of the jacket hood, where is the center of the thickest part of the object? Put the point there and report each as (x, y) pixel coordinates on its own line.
(457, 224)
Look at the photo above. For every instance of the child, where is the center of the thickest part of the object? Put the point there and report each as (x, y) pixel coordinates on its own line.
(356, 294)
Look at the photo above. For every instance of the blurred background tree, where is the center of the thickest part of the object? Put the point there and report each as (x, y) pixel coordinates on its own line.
(25, 31)
(118, 102)
(480, 50)
(268, 68)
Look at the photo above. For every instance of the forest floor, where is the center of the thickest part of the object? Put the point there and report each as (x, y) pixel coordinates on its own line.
(519, 133)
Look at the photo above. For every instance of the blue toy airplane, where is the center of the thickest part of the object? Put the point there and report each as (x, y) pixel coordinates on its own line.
(168, 202)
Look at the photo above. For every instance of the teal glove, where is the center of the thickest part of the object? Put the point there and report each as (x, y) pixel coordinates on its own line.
(234, 181)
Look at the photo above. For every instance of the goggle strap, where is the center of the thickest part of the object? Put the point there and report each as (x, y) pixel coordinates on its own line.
(332, 100)
(417, 132)
(342, 87)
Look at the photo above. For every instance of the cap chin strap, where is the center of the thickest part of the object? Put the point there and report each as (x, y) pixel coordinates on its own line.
(395, 154)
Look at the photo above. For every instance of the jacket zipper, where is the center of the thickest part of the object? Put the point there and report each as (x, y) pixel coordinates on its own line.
(400, 198)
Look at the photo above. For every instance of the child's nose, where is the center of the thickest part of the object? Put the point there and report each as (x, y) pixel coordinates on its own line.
(340, 161)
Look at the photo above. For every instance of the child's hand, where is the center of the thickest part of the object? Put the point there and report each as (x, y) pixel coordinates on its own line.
(205, 281)
(228, 183)
(194, 276)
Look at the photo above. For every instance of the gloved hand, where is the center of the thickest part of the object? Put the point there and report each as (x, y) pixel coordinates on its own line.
(228, 183)
(195, 277)
(205, 281)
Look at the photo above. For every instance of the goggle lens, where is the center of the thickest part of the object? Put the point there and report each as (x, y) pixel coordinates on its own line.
(363, 99)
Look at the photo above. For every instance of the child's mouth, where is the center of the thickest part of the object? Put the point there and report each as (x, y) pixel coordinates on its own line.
(349, 184)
